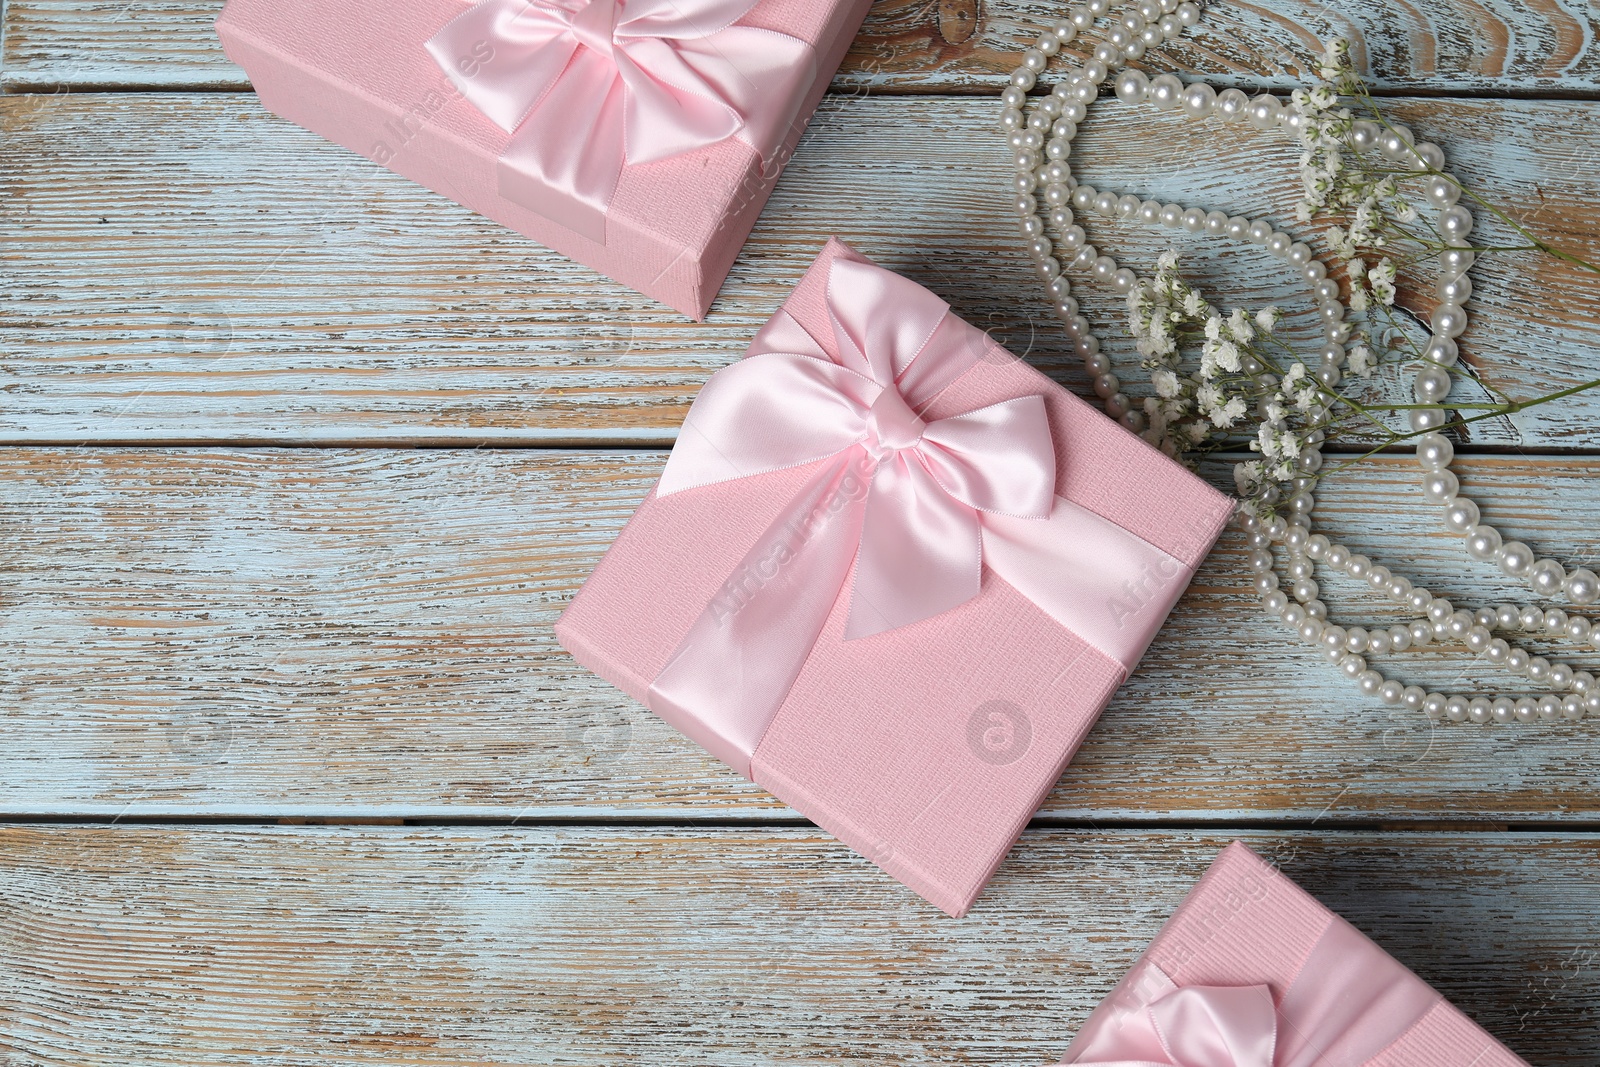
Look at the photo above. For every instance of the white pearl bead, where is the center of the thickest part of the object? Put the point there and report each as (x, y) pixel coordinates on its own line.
(1432, 384)
(1428, 156)
(1423, 419)
(1132, 85)
(1560, 676)
(1582, 586)
(1364, 134)
(1263, 112)
(1547, 577)
(1433, 706)
(1448, 320)
(1166, 92)
(1231, 104)
(1434, 451)
(1454, 261)
(1413, 697)
(1199, 100)
(1440, 487)
(1483, 542)
(1455, 221)
(1442, 191)
(1516, 559)
(1441, 350)
(1352, 665)
(1399, 638)
(1461, 515)
(1480, 709)
(1456, 708)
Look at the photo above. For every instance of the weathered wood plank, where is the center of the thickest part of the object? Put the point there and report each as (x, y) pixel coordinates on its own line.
(1497, 46)
(187, 268)
(249, 946)
(309, 632)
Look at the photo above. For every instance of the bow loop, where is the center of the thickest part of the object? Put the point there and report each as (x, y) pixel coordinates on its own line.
(997, 459)
(1198, 1026)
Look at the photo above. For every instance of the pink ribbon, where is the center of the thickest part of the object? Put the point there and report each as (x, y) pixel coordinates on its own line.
(916, 507)
(1349, 1002)
(586, 87)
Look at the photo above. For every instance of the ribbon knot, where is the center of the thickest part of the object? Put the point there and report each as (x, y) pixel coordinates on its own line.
(892, 425)
(595, 26)
(588, 87)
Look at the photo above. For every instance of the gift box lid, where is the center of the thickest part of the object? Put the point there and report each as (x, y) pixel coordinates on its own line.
(926, 747)
(1258, 972)
(360, 73)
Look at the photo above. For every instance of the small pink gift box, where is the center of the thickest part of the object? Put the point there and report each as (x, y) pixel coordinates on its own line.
(640, 137)
(892, 575)
(1252, 972)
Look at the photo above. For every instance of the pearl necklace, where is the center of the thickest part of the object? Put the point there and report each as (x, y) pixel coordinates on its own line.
(1149, 23)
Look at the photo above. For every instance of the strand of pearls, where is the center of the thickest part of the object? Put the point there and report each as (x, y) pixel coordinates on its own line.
(1043, 171)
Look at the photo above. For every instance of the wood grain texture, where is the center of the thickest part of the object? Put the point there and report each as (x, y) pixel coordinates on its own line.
(188, 268)
(1453, 46)
(367, 634)
(215, 947)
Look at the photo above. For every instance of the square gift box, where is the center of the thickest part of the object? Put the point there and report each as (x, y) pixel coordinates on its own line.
(1252, 972)
(892, 574)
(640, 137)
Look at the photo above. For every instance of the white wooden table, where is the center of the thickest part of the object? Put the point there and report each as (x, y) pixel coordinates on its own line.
(300, 462)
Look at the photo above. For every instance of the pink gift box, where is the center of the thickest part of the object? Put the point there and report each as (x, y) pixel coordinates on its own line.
(359, 73)
(927, 747)
(1252, 972)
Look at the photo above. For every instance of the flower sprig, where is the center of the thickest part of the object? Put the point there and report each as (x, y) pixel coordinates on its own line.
(1219, 375)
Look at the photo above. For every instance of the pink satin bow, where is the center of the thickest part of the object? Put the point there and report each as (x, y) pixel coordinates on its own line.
(1348, 1003)
(929, 484)
(918, 508)
(1203, 1026)
(587, 87)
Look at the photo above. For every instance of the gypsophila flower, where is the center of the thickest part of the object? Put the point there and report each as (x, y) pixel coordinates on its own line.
(1267, 318)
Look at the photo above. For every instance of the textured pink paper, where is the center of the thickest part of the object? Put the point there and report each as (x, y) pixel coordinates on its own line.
(357, 72)
(926, 748)
(1247, 924)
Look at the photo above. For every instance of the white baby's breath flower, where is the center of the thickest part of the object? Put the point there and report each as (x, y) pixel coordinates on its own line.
(1165, 383)
(1267, 318)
